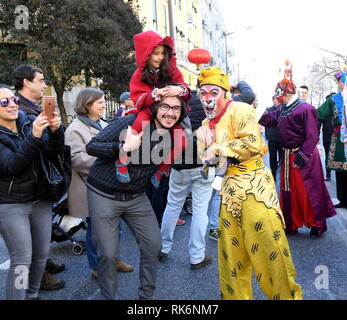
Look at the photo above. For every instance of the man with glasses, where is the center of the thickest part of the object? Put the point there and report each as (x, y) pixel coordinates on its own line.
(30, 87)
(185, 177)
(109, 199)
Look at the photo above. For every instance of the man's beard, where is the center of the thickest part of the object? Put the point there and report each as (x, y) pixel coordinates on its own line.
(163, 127)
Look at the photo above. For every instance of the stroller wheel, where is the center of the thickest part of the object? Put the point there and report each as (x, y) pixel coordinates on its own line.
(78, 248)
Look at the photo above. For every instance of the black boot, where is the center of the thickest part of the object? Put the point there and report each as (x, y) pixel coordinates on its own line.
(314, 234)
(328, 177)
(340, 205)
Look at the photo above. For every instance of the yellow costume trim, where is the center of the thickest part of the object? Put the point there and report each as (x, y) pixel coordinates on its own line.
(248, 166)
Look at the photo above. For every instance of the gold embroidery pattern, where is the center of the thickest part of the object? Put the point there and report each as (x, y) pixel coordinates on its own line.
(331, 163)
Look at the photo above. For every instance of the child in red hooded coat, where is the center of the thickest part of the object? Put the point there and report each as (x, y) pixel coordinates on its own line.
(156, 61)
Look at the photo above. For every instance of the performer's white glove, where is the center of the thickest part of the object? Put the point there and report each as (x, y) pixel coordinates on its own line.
(205, 135)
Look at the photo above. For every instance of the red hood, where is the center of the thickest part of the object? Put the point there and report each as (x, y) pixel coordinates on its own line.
(145, 42)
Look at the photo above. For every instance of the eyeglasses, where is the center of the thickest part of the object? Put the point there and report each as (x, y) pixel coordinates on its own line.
(165, 107)
(5, 102)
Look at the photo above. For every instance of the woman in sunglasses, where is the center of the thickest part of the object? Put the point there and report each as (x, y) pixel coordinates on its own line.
(25, 220)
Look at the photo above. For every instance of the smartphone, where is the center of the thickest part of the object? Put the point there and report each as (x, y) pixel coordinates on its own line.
(48, 103)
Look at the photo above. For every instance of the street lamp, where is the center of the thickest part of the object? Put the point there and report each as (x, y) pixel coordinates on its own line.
(225, 34)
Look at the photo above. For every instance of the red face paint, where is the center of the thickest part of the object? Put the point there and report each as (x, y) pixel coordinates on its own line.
(211, 98)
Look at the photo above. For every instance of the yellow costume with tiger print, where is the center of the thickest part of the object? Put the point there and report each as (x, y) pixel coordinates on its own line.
(251, 225)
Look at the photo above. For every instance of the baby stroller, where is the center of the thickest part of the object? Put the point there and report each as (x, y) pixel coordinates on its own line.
(65, 226)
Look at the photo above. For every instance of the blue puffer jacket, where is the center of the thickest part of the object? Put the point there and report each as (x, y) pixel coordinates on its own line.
(20, 172)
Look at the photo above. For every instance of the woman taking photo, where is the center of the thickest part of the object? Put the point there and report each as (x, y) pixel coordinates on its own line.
(25, 220)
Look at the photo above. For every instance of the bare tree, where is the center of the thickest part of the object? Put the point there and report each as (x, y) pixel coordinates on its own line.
(320, 77)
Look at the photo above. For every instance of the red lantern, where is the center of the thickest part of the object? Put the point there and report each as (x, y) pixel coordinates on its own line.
(199, 56)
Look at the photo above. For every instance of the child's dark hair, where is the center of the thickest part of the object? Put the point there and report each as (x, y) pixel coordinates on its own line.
(163, 75)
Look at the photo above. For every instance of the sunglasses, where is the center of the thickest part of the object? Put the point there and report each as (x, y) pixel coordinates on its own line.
(5, 102)
(165, 107)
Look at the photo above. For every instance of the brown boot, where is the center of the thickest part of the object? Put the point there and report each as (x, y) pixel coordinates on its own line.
(49, 283)
(52, 267)
(124, 267)
(94, 274)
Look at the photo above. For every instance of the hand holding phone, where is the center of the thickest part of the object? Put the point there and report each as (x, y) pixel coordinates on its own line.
(48, 103)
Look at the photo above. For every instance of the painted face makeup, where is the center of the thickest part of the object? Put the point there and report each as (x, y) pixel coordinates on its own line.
(210, 97)
(279, 93)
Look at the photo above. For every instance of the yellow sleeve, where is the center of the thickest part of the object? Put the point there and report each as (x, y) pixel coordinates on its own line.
(238, 134)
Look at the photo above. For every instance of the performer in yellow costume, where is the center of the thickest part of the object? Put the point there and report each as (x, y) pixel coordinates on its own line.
(251, 224)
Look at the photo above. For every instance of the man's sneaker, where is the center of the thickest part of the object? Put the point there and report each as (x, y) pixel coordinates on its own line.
(49, 283)
(207, 260)
(214, 234)
(180, 222)
(52, 267)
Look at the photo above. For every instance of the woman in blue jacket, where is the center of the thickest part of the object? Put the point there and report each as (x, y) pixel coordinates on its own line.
(25, 220)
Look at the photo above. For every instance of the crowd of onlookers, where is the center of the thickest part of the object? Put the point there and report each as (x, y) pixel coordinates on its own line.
(108, 183)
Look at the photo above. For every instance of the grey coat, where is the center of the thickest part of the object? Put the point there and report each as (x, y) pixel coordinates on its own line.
(77, 136)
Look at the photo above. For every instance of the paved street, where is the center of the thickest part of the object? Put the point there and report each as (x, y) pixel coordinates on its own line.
(320, 265)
